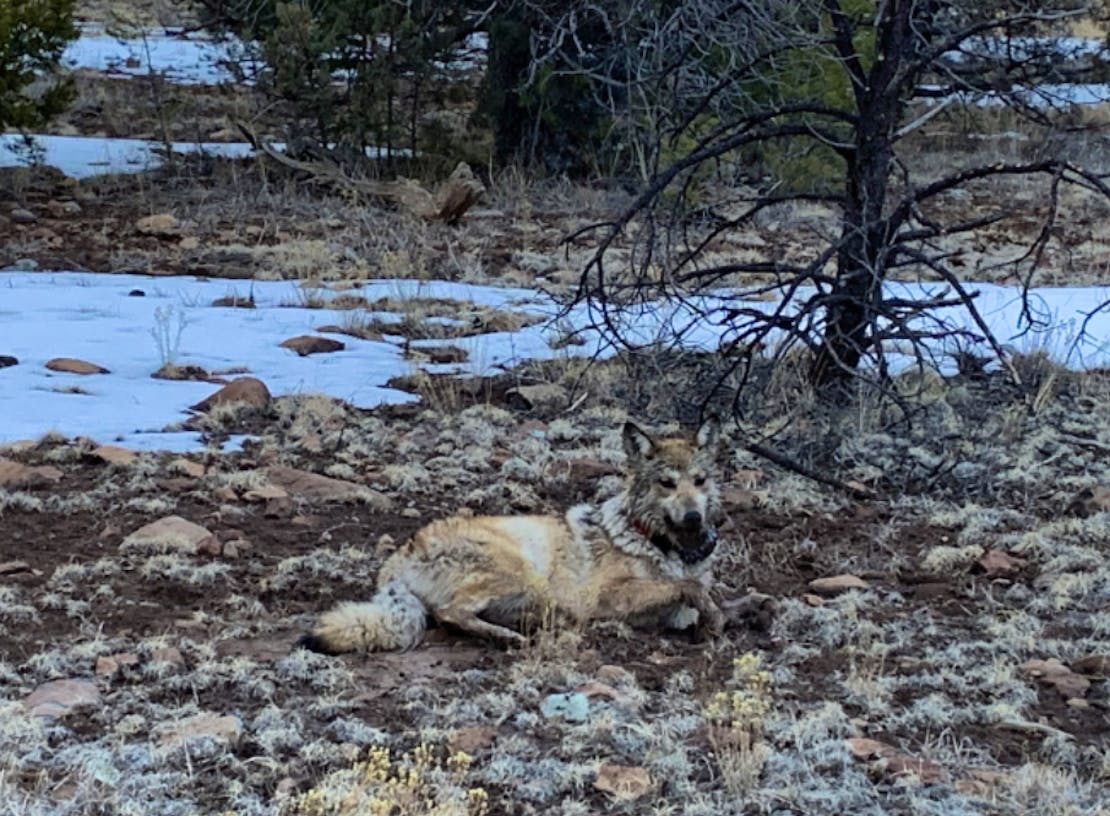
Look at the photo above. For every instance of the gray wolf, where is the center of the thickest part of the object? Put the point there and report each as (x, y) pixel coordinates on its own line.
(643, 556)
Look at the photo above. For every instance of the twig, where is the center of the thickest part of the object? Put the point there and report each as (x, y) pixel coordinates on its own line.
(796, 467)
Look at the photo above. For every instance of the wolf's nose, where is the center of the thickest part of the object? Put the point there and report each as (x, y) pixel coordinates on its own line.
(692, 519)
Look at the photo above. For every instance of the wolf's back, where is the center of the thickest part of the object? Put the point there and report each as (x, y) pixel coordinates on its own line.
(393, 619)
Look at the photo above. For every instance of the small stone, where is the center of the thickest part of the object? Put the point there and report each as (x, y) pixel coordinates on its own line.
(162, 225)
(14, 567)
(168, 654)
(22, 216)
(265, 493)
(836, 584)
(171, 534)
(107, 665)
(308, 486)
(188, 467)
(306, 344)
(59, 697)
(573, 707)
(624, 782)
(18, 475)
(224, 729)
(1096, 665)
(1056, 674)
(813, 600)
(615, 674)
(999, 564)
(114, 455)
(471, 739)
(546, 396)
(70, 208)
(71, 365)
(249, 390)
(593, 688)
(1078, 702)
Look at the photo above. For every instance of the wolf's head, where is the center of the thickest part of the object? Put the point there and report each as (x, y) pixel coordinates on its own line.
(672, 492)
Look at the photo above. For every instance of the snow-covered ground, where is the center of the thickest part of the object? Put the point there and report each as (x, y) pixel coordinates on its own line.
(182, 59)
(84, 156)
(93, 317)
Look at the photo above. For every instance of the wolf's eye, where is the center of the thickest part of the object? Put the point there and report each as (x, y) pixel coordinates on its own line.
(699, 481)
(668, 482)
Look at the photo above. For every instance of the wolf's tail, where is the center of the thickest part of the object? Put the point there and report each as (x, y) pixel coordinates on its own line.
(393, 619)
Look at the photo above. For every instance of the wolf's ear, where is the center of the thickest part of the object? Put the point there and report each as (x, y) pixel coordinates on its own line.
(636, 442)
(709, 434)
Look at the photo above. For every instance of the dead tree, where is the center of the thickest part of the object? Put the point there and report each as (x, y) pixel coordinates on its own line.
(842, 89)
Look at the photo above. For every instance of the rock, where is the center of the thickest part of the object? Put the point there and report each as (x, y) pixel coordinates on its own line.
(107, 665)
(594, 688)
(313, 487)
(812, 600)
(611, 673)
(7, 360)
(625, 782)
(71, 365)
(18, 475)
(306, 344)
(169, 655)
(999, 564)
(748, 479)
(114, 455)
(836, 584)
(225, 729)
(1090, 501)
(14, 567)
(741, 498)
(172, 534)
(1096, 665)
(543, 397)
(22, 216)
(265, 493)
(1056, 674)
(59, 697)
(573, 707)
(248, 390)
(893, 763)
(160, 225)
(471, 739)
(188, 467)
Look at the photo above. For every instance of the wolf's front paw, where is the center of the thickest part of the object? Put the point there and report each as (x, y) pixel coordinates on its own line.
(713, 619)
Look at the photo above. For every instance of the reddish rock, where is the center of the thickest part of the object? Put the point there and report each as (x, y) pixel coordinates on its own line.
(248, 390)
(836, 584)
(999, 564)
(626, 782)
(161, 225)
(1056, 674)
(471, 739)
(172, 534)
(114, 455)
(17, 475)
(71, 365)
(306, 344)
(225, 729)
(59, 697)
(107, 665)
(314, 487)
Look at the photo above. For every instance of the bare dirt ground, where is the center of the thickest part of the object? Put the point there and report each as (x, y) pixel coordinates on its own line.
(920, 686)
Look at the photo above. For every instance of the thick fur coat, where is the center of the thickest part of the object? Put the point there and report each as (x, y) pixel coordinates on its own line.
(644, 556)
